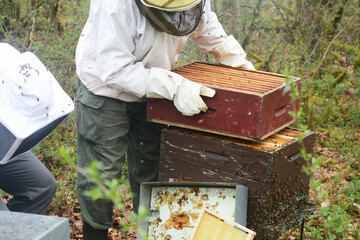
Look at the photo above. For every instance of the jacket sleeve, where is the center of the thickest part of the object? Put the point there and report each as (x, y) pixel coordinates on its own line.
(210, 32)
(211, 38)
(116, 65)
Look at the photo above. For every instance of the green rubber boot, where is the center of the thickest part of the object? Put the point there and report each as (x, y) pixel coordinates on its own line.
(91, 233)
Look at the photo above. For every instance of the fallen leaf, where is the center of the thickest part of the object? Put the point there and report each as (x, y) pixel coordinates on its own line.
(325, 203)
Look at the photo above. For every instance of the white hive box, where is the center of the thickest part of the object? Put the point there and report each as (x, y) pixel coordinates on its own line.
(175, 206)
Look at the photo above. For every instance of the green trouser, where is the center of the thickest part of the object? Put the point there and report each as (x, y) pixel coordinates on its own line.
(105, 129)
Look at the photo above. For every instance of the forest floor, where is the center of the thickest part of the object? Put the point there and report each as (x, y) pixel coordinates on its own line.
(332, 188)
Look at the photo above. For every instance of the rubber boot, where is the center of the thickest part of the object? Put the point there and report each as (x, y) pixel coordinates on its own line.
(91, 233)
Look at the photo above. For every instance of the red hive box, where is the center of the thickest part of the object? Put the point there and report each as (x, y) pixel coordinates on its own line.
(247, 104)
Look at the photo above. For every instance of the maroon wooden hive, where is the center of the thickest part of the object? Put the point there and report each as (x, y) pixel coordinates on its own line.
(247, 104)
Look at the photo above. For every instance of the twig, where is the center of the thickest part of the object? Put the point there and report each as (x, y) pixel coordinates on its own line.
(32, 30)
(317, 43)
(102, 187)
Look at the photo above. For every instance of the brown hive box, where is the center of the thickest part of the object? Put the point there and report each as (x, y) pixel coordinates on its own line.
(247, 104)
(271, 169)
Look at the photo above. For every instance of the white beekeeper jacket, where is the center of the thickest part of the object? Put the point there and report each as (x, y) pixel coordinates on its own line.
(118, 47)
(32, 103)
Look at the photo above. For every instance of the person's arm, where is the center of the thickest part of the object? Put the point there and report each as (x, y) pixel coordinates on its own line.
(120, 69)
(117, 66)
(210, 37)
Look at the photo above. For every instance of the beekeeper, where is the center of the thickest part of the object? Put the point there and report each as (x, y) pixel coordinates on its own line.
(32, 104)
(123, 56)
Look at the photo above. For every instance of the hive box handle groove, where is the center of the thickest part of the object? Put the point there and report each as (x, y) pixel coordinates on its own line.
(216, 156)
(294, 156)
(280, 111)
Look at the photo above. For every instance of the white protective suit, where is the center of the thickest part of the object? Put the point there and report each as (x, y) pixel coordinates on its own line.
(32, 103)
(120, 55)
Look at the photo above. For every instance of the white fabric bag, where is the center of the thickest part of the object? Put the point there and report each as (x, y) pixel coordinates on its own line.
(32, 103)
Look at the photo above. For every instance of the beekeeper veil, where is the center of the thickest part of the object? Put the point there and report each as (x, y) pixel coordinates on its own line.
(176, 17)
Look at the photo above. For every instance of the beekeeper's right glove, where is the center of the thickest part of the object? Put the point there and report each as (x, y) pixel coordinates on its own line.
(185, 94)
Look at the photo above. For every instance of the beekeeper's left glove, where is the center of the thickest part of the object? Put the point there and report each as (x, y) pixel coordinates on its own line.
(230, 53)
(185, 94)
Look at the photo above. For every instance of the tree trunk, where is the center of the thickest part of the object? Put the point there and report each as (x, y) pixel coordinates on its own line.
(10, 12)
(336, 20)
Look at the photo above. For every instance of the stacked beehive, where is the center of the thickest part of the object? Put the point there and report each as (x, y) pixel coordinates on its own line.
(243, 138)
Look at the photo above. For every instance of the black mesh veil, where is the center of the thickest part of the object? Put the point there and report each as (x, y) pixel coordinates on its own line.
(178, 23)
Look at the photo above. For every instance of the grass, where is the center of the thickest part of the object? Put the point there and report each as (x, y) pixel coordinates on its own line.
(334, 114)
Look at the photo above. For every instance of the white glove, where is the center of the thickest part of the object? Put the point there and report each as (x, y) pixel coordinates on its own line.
(230, 53)
(185, 94)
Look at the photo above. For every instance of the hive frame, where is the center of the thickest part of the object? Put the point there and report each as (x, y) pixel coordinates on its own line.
(250, 234)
